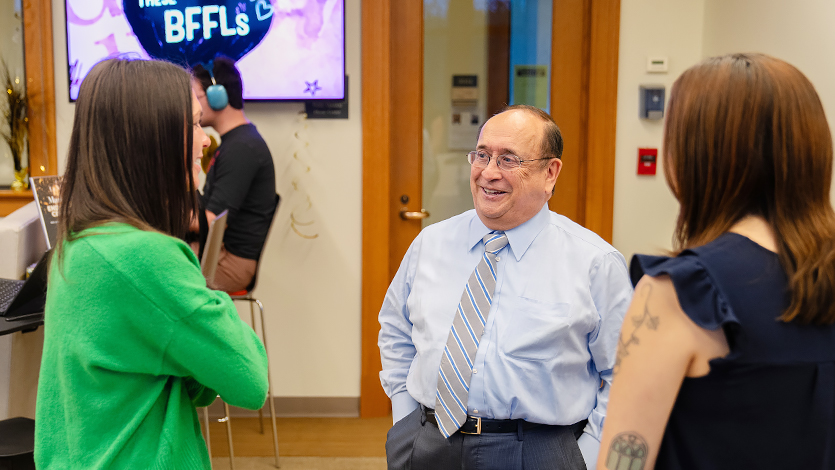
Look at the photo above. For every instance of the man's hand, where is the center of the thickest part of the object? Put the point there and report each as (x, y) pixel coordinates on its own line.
(196, 169)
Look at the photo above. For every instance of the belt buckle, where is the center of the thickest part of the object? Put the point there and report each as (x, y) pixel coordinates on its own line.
(477, 426)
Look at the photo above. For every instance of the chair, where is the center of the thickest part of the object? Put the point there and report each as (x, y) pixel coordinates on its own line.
(211, 252)
(247, 295)
(17, 443)
(208, 265)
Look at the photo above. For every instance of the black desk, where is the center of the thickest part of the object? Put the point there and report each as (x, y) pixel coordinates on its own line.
(25, 325)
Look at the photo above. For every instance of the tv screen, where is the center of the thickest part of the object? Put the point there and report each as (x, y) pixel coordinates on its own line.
(285, 49)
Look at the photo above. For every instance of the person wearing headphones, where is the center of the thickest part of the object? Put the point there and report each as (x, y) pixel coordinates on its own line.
(241, 175)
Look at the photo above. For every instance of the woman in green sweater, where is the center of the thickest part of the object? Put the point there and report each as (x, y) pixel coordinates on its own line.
(134, 340)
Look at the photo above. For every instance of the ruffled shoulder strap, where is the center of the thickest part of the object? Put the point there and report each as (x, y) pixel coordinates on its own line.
(699, 296)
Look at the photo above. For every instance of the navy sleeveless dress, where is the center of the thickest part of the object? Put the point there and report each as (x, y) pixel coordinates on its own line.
(770, 404)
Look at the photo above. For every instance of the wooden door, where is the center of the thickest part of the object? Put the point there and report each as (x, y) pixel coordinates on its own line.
(583, 103)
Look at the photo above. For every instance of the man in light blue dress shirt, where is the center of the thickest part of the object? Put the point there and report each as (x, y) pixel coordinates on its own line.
(543, 367)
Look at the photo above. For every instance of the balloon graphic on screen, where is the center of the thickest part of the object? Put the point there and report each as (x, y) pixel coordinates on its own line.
(191, 32)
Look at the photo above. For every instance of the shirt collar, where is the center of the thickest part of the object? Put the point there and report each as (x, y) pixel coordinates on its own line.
(519, 238)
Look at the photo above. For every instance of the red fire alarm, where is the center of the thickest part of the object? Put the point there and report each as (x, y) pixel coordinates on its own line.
(647, 159)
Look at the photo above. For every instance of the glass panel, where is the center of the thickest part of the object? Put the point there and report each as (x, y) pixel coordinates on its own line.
(530, 52)
(11, 51)
(479, 55)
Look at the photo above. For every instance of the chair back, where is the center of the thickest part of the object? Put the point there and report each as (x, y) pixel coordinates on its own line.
(211, 252)
(252, 284)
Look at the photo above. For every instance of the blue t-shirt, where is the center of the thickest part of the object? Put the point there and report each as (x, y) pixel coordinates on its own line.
(770, 404)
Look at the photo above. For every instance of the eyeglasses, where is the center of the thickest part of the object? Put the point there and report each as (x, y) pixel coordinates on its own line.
(480, 159)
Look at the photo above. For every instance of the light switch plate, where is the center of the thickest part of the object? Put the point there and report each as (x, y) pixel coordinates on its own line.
(657, 64)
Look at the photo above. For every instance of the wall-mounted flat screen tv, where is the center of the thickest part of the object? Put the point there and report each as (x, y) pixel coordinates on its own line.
(290, 50)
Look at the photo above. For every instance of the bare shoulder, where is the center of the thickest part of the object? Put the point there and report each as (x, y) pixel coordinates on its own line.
(659, 346)
(656, 309)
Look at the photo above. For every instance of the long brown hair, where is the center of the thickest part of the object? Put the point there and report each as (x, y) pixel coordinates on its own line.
(746, 135)
(129, 157)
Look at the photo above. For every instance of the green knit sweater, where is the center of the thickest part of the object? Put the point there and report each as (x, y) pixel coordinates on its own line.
(133, 342)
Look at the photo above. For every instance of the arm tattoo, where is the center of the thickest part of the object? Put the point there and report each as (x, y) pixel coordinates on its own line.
(647, 320)
(628, 452)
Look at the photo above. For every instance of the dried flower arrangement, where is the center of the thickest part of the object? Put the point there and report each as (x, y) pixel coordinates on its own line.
(15, 122)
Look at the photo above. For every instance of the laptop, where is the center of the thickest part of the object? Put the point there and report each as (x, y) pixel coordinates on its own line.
(20, 300)
(24, 299)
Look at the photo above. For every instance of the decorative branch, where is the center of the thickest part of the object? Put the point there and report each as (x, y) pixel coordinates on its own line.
(15, 120)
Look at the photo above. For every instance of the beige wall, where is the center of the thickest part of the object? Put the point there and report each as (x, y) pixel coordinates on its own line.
(800, 32)
(310, 288)
(645, 210)
(685, 31)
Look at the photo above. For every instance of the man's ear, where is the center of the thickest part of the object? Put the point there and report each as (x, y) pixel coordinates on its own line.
(553, 171)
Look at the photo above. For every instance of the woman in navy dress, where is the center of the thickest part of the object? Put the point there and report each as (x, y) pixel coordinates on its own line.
(726, 358)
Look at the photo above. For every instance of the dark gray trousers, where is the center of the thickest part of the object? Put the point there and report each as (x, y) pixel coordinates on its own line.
(414, 444)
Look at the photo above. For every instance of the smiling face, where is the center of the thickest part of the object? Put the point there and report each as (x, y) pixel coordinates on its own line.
(200, 139)
(506, 199)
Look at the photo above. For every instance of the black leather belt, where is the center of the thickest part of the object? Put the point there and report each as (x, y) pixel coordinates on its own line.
(476, 425)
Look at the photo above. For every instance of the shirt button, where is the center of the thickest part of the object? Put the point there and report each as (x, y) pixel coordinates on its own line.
(498, 258)
(475, 371)
(475, 411)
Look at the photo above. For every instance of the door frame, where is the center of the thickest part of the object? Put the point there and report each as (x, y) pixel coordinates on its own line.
(583, 102)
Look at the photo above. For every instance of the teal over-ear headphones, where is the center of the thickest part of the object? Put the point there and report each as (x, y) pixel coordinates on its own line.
(216, 94)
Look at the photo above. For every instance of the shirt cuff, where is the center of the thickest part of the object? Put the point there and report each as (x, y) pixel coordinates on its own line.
(589, 447)
(401, 405)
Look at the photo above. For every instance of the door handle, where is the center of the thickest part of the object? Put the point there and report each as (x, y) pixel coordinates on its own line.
(411, 215)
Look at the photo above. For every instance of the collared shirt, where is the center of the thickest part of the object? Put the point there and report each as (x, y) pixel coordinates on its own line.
(548, 347)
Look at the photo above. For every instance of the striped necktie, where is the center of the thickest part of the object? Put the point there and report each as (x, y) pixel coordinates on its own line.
(464, 336)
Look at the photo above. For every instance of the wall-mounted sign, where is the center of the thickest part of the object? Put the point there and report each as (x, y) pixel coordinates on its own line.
(464, 90)
(530, 85)
(336, 109)
(465, 118)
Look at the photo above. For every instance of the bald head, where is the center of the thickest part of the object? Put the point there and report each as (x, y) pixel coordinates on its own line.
(551, 142)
